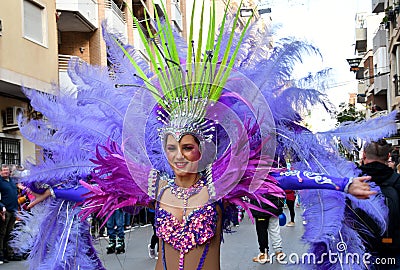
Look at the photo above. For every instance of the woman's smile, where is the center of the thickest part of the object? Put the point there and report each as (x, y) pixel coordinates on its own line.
(181, 165)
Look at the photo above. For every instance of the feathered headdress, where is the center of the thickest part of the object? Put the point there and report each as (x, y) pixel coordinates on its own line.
(184, 88)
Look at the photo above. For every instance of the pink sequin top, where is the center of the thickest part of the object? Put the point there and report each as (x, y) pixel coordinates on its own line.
(185, 235)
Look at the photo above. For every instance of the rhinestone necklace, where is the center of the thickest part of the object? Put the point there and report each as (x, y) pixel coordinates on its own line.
(185, 193)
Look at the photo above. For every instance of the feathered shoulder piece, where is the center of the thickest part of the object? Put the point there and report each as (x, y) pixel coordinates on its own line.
(112, 186)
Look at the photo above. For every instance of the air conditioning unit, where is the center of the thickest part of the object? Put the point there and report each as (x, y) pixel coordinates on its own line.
(12, 115)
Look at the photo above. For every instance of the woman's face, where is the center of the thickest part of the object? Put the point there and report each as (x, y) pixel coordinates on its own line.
(183, 156)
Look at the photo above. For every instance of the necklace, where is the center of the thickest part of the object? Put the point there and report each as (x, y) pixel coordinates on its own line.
(185, 193)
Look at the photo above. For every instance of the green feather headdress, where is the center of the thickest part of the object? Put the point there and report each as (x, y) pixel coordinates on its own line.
(185, 88)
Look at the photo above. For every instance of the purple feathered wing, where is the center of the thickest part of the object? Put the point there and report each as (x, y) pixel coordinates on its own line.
(112, 185)
(249, 174)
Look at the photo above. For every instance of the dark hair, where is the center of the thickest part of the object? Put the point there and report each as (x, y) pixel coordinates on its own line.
(195, 139)
(378, 150)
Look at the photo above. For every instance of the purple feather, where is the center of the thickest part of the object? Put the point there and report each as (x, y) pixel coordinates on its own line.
(371, 129)
(249, 178)
(121, 66)
(114, 186)
(324, 214)
(68, 243)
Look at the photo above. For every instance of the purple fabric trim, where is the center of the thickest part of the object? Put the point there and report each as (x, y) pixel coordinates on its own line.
(71, 194)
(181, 259)
(32, 186)
(163, 255)
(203, 256)
(297, 180)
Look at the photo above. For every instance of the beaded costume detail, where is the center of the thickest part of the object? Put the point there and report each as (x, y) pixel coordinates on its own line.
(193, 230)
(196, 229)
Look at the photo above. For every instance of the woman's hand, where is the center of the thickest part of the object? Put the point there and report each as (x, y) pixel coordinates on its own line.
(39, 198)
(360, 189)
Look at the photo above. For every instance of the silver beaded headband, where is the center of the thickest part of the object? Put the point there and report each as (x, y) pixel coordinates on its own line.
(187, 118)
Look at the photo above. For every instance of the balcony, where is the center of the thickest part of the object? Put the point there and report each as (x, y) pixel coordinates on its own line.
(378, 6)
(381, 84)
(361, 87)
(176, 15)
(361, 39)
(63, 78)
(138, 44)
(116, 19)
(361, 98)
(77, 15)
(380, 39)
(378, 114)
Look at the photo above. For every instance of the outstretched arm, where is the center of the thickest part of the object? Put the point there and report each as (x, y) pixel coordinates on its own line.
(69, 194)
(297, 180)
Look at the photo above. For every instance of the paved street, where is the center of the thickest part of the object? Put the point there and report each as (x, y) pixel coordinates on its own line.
(236, 253)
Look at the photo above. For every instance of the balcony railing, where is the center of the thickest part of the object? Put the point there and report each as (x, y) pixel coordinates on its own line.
(379, 113)
(381, 84)
(63, 60)
(361, 39)
(116, 20)
(111, 5)
(63, 78)
(380, 38)
(176, 15)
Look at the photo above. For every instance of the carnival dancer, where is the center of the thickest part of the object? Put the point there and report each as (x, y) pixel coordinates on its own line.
(191, 136)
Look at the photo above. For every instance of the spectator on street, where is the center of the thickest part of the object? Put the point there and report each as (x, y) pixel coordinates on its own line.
(96, 226)
(127, 221)
(8, 212)
(154, 239)
(290, 199)
(115, 228)
(267, 223)
(384, 245)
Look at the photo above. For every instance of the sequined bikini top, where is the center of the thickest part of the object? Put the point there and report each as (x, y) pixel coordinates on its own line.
(193, 230)
(196, 229)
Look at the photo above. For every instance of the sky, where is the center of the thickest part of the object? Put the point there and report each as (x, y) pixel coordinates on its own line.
(330, 26)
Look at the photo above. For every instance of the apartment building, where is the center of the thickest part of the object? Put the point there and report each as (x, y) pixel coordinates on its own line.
(39, 37)
(379, 66)
(28, 57)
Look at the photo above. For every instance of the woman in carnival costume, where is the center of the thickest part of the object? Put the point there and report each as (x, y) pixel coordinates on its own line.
(192, 136)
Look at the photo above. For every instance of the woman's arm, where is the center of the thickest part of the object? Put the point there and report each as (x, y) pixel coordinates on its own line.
(69, 194)
(297, 180)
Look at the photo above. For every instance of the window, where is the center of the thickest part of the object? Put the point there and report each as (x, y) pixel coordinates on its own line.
(10, 151)
(34, 21)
